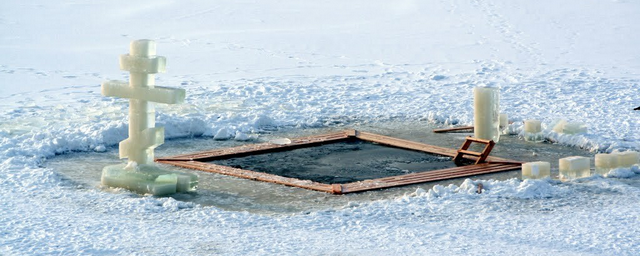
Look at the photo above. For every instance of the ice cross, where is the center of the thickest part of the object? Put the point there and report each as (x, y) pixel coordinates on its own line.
(141, 91)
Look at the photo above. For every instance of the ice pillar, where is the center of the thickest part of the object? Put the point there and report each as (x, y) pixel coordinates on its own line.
(140, 174)
(486, 115)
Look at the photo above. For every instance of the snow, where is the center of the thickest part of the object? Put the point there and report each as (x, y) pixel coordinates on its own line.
(250, 67)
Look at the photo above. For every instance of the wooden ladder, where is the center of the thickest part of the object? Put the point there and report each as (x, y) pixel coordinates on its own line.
(481, 156)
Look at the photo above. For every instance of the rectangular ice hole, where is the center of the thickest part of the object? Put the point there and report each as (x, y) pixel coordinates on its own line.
(356, 162)
(341, 162)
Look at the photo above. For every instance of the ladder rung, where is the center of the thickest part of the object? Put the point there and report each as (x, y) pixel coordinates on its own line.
(478, 140)
(467, 152)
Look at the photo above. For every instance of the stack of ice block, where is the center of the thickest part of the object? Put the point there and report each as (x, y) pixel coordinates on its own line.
(533, 130)
(536, 170)
(574, 167)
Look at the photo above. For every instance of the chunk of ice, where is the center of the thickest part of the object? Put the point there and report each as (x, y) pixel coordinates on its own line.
(223, 134)
(504, 120)
(559, 125)
(575, 167)
(486, 116)
(533, 130)
(536, 170)
(628, 159)
(574, 128)
(606, 162)
(562, 126)
(532, 126)
(148, 179)
(240, 136)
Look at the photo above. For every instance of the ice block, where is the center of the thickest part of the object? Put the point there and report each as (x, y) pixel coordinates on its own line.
(574, 167)
(606, 162)
(574, 128)
(532, 126)
(559, 126)
(148, 179)
(504, 120)
(562, 126)
(533, 130)
(486, 119)
(628, 158)
(536, 170)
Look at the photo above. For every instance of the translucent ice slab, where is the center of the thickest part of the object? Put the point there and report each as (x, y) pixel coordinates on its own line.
(486, 117)
(574, 167)
(532, 126)
(559, 125)
(536, 170)
(148, 179)
(628, 159)
(504, 123)
(574, 128)
(562, 126)
(533, 130)
(606, 162)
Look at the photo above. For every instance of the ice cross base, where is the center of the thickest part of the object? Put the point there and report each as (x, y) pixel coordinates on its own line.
(141, 174)
(148, 179)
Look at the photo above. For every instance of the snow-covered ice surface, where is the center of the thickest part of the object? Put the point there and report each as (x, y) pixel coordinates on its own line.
(255, 66)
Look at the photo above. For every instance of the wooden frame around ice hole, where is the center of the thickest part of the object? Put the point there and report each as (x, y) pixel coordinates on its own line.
(199, 161)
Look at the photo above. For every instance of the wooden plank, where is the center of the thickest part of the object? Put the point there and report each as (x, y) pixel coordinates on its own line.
(458, 169)
(407, 144)
(462, 128)
(429, 176)
(459, 128)
(474, 139)
(455, 175)
(252, 175)
(259, 148)
(425, 177)
(440, 173)
(467, 152)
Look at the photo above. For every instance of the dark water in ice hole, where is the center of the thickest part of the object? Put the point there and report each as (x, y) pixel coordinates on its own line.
(341, 162)
(237, 194)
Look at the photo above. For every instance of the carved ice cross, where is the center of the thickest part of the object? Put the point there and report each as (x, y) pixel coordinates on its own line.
(141, 91)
